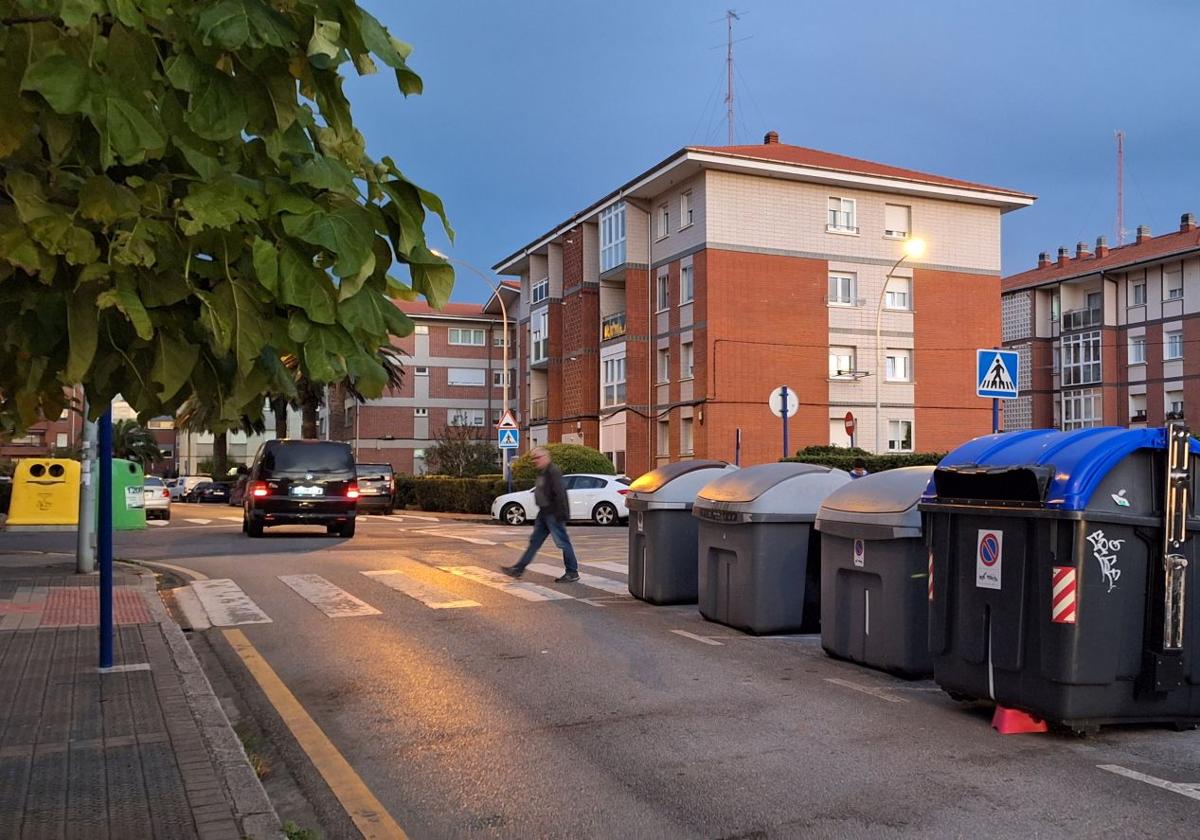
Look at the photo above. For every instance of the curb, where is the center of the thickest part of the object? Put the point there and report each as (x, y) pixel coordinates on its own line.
(252, 809)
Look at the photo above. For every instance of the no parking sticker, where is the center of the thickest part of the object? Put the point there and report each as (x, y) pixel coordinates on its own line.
(860, 552)
(988, 556)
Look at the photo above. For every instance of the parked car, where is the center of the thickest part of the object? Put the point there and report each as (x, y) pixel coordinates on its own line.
(156, 498)
(175, 488)
(214, 492)
(376, 488)
(187, 483)
(302, 482)
(237, 490)
(600, 498)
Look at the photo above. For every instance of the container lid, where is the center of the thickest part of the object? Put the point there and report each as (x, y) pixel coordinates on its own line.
(785, 489)
(887, 500)
(673, 485)
(1064, 467)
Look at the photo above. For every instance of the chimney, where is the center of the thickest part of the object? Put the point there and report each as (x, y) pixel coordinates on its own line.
(1187, 222)
(1081, 250)
(1043, 259)
(1101, 247)
(1063, 256)
(771, 138)
(1143, 233)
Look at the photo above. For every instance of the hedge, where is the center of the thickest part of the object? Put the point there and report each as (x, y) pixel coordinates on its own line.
(843, 458)
(568, 457)
(443, 494)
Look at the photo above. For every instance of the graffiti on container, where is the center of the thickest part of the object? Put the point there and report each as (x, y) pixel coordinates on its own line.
(1105, 552)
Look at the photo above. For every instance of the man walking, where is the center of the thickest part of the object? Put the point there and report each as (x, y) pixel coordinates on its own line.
(553, 512)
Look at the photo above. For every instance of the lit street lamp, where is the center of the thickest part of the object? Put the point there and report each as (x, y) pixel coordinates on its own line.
(912, 248)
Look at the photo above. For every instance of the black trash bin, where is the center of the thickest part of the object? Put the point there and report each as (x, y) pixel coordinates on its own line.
(1059, 565)
(662, 530)
(874, 567)
(759, 557)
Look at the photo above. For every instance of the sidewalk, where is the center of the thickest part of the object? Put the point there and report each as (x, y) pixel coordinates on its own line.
(143, 750)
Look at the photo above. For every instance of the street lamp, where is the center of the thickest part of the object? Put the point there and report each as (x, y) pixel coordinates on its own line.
(912, 248)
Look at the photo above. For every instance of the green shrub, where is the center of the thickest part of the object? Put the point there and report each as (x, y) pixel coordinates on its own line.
(570, 458)
(406, 491)
(843, 458)
(457, 495)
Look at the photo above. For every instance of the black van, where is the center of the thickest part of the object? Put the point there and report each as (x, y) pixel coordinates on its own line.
(301, 482)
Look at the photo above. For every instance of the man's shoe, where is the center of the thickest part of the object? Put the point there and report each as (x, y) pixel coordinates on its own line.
(569, 577)
(517, 571)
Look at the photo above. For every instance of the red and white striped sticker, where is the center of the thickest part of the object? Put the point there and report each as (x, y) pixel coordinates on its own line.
(931, 574)
(1062, 602)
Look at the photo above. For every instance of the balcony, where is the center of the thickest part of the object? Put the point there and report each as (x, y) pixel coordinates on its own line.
(1082, 319)
(612, 326)
(1138, 417)
(537, 410)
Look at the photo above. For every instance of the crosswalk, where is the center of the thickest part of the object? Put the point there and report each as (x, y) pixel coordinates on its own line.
(444, 582)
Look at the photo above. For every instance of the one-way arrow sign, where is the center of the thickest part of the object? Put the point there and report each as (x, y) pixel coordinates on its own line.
(996, 374)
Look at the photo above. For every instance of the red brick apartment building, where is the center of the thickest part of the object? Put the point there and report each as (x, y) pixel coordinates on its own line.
(1108, 337)
(453, 373)
(44, 438)
(656, 322)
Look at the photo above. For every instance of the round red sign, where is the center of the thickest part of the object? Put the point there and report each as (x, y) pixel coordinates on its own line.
(851, 423)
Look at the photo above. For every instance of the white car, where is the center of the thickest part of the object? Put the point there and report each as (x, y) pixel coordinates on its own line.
(600, 498)
(156, 498)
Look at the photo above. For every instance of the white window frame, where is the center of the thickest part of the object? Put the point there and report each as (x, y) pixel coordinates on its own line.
(421, 371)
(1173, 346)
(1134, 410)
(613, 388)
(687, 284)
(845, 292)
(664, 366)
(663, 439)
(466, 337)
(539, 291)
(663, 292)
(475, 417)
(888, 233)
(420, 411)
(1081, 409)
(421, 329)
(896, 435)
(464, 377)
(839, 355)
(687, 439)
(1171, 406)
(897, 363)
(664, 221)
(612, 236)
(842, 215)
(539, 339)
(1137, 350)
(898, 299)
(1173, 285)
(499, 340)
(687, 210)
(1081, 359)
(687, 360)
(1137, 291)
(498, 377)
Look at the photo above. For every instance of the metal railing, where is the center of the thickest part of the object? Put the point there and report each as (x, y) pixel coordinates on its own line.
(612, 326)
(537, 410)
(1081, 319)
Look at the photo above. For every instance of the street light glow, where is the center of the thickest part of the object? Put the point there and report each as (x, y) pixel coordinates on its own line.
(914, 248)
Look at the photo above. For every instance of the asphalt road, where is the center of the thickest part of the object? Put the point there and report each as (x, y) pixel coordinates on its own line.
(595, 715)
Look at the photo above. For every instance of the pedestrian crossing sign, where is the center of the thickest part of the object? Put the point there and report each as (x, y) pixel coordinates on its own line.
(996, 374)
(508, 438)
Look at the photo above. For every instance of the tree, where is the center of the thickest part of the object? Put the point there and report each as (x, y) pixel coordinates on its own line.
(185, 201)
(570, 458)
(461, 451)
(134, 443)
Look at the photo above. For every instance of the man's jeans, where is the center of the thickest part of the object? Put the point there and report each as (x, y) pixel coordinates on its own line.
(548, 524)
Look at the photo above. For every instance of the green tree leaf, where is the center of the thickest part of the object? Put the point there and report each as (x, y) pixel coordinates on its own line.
(266, 265)
(174, 359)
(63, 81)
(346, 232)
(100, 200)
(78, 13)
(217, 110)
(225, 24)
(220, 205)
(324, 47)
(82, 334)
(57, 235)
(125, 298)
(305, 287)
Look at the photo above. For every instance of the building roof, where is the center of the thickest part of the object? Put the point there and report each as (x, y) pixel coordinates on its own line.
(421, 309)
(1150, 249)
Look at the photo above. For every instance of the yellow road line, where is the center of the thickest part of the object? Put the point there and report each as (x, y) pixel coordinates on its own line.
(365, 810)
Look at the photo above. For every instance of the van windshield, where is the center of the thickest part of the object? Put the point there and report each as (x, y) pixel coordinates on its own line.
(315, 458)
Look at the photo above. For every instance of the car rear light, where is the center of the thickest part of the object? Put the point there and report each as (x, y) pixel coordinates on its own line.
(623, 491)
(259, 489)
(166, 494)
(352, 491)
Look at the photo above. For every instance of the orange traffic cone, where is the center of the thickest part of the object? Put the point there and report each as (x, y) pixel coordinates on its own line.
(1008, 721)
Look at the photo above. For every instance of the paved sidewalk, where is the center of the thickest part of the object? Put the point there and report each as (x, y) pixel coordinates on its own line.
(140, 751)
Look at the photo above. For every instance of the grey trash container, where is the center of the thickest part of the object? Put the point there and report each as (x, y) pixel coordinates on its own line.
(662, 530)
(759, 557)
(874, 573)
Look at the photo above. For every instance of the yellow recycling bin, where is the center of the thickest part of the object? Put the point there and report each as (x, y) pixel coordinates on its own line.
(45, 495)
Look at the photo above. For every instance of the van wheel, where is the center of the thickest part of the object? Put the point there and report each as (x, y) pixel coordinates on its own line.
(254, 528)
(513, 514)
(347, 530)
(604, 514)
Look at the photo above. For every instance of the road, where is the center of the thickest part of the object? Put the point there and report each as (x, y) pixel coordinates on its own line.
(471, 708)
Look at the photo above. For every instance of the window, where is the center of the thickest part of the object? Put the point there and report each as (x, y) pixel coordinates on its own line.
(1056, 359)
(685, 210)
(664, 365)
(842, 215)
(1173, 283)
(421, 329)
(897, 363)
(1174, 404)
(540, 291)
(614, 381)
(467, 338)
(1137, 408)
(1081, 358)
(421, 371)
(899, 436)
(1137, 350)
(472, 377)
(687, 285)
(539, 337)
(842, 289)
(498, 340)
(499, 379)
(896, 294)
(466, 416)
(1174, 345)
(1055, 307)
(612, 236)
(685, 436)
(664, 292)
(1137, 293)
(60, 440)
(664, 438)
(897, 220)
(686, 360)
(664, 221)
(420, 412)
(1081, 410)
(841, 362)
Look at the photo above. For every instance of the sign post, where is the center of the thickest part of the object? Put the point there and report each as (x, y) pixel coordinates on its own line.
(104, 546)
(783, 403)
(508, 438)
(996, 376)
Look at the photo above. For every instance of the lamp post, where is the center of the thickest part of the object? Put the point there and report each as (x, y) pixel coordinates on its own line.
(912, 248)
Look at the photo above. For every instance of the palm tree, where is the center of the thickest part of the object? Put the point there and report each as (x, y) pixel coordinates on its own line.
(134, 443)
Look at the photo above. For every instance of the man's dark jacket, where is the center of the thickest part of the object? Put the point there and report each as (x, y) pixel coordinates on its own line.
(550, 493)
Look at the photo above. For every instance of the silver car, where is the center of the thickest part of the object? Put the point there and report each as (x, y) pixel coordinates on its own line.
(157, 498)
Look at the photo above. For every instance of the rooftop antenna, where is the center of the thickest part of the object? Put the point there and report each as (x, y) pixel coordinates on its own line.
(730, 17)
(1120, 188)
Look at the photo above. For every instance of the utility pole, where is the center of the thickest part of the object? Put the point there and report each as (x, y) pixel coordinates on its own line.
(85, 537)
(730, 17)
(1120, 188)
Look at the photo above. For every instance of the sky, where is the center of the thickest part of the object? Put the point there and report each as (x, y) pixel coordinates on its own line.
(534, 109)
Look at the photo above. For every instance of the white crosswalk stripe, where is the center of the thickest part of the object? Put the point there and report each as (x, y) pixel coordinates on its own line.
(456, 535)
(158, 523)
(198, 521)
(619, 567)
(431, 596)
(615, 587)
(496, 580)
(226, 604)
(330, 599)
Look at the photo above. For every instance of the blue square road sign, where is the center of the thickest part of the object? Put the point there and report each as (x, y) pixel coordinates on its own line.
(996, 374)
(508, 438)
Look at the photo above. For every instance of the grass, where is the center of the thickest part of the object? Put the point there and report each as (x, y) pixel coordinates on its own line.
(250, 743)
(294, 832)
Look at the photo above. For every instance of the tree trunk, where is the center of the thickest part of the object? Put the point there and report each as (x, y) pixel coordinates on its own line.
(279, 407)
(309, 412)
(220, 456)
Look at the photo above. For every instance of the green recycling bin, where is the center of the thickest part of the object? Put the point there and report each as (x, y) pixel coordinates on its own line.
(128, 501)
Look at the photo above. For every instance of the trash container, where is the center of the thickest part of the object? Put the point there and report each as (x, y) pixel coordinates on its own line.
(45, 495)
(128, 500)
(759, 557)
(663, 532)
(1059, 564)
(874, 569)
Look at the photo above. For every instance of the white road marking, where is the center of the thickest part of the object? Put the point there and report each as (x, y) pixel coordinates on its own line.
(497, 580)
(696, 638)
(192, 609)
(226, 604)
(332, 600)
(158, 523)
(438, 533)
(406, 516)
(866, 689)
(615, 587)
(125, 669)
(1191, 791)
(429, 595)
(607, 565)
(198, 521)
(591, 602)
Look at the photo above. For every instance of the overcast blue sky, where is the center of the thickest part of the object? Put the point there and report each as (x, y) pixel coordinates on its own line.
(534, 109)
